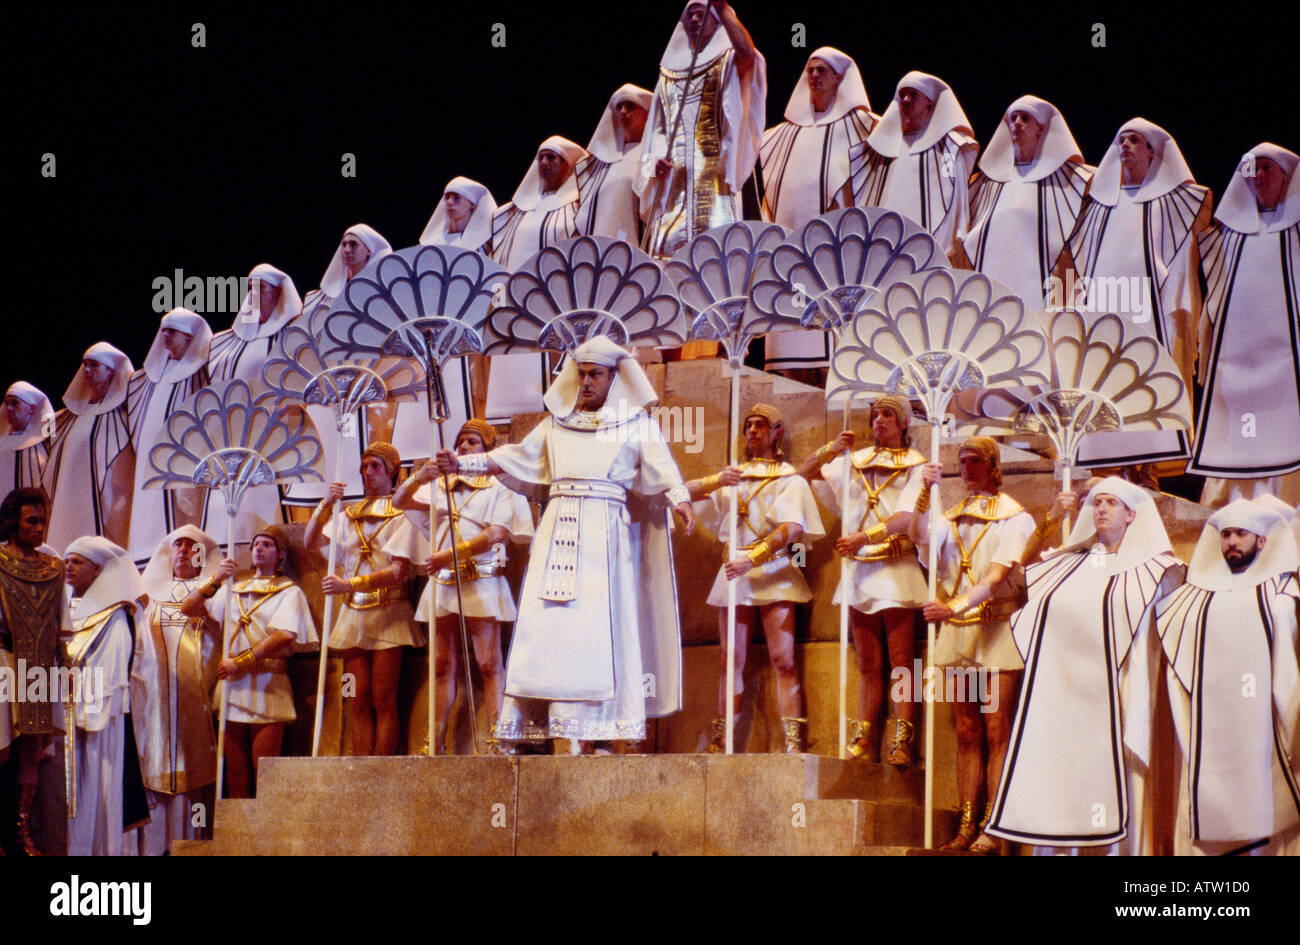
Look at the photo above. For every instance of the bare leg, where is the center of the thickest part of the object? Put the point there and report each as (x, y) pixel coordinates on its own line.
(267, 740)
(899, 632)
(386, 667)
(778, 629)
(446, 669)
(239, 762)
(361, 715)
(486, 634)
(869, 650)
(744, 629)
(998, 723)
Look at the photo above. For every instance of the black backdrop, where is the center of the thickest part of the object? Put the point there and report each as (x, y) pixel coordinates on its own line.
(213, 159)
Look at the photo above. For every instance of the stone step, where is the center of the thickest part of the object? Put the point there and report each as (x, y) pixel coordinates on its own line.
(558, 805)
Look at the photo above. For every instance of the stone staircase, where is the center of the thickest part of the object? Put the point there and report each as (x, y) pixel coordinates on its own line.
(589, 805)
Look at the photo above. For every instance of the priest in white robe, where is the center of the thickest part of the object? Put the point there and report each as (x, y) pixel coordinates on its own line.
(609, 176)
(463, 217)
(91, 470)
(543, 212)
(173, 672)
(704, 128)
(1133, 253)
(804, 163)
(1075, 771)
(99, 750)
(360, 246)
(1229, 635)
(1025, 198)
(174, 371)
(918, 160)
(597, 644)
(26, 423)
(241, 351)
(1248, 431)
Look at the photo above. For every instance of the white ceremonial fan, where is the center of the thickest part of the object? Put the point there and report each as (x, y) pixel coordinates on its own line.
(715, 275)
(229, 438)
(583, 287)
(428, 304)
(927, 338)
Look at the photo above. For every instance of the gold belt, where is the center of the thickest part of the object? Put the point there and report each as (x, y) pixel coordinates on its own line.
(366, 600)
(987, 612)
(895, 546)
(469, 571)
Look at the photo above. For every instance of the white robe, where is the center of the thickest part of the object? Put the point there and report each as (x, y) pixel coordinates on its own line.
(806, 174)
(389, 624)
(608, 204)
(89, 476)
(1138, 260)
(104, 652)
(1074, 771)
(21, 466)
(874, 586)
(787, 498)
(929, 187)
(596, 646)
(155, 513)
(1249, 422)
(262, 697)
(477, 509)
(1238, 778)
(1019, 227)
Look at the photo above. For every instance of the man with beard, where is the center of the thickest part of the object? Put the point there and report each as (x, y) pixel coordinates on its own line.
(1229, 635)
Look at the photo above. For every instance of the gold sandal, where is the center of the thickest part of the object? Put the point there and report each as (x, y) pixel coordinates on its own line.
(793, 734)
(900, 749)
(965, 830)
(861, 743)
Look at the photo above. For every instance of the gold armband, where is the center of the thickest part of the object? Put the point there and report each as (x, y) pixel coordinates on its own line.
(877, 533)
(759, 554)
(1046, 527)
(462, 551)
(246, 662)
(709, 483)
(959, 604)
(362, 582)
(923, 501)
(323, 509)
(209, 590)
(826, 454)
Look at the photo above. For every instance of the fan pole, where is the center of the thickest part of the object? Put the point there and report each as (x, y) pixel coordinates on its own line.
(844, 591)
(930, 634)
(732, 516)
(231, 510)
(1065, 487)
(328, 618)
(437, 442)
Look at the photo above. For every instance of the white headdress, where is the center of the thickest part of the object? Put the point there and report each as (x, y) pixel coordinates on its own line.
(1055, 147)
(1288, 512)
(336, 274)
(157, 574)
(478, 228)
(887, 138)
(117, 582)
(607, 143)
(629, 390)
(1146, 536)
(160, 366)
(850, 95)
(1278, 556)
(677, 57)
(287, 307)
(41, 416)
(77, 397)
(1168, 168)
(1238, 209)
(529, 193)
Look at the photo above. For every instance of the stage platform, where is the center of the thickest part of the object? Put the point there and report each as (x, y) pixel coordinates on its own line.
(646, 805)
